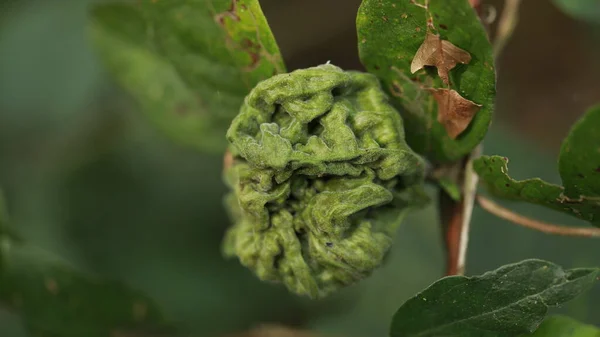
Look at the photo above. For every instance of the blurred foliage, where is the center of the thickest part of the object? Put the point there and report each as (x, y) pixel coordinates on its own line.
(562, 326)
(54, 299)
(87, 178)
(191, 74)
(587, 10)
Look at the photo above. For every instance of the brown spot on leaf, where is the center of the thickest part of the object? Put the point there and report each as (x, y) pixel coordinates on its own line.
(52, 286)
(580, 175)
(439, 53)
(376, 67)
(597, 169)
(182, 109)
(17, 300)
(253, 50)
(231, 13)
(418, 29)
(385, 18)
(396, 89)
(443, 26)
(139, 311)
(454, 111)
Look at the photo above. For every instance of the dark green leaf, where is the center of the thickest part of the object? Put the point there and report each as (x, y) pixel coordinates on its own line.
(579, 161)
(54, 299)
(587, 10)
(579, 167)
(3, 214)
(189, 64)
(389, 35)
(505, 302)
(562, 326)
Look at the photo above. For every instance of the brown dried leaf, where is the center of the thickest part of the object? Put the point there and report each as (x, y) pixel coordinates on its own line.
(439, 53)
(454, 111)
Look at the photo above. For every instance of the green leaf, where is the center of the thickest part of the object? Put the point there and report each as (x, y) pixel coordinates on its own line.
(389, 35)
(562, 326)
(189, 64)
(579, 168)
(54, 299)
(508, 301)
(450, 187)
(3, 214)
(586, 10)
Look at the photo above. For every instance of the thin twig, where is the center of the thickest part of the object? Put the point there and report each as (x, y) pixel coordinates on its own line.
(524, 221)
(469, 193)
(506, 24)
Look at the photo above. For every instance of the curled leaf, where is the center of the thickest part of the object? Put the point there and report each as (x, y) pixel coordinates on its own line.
(454, 111)
(579, 168)
(439, 53)
(321, 177)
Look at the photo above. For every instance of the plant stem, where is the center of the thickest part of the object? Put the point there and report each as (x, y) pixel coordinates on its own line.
(524, 221)
(506, 25)
(469, 194)
(456, 216)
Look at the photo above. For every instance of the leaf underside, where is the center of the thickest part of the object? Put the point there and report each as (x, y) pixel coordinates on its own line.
(188, 64)
(389, 35)
(579, 168)
(508, 301)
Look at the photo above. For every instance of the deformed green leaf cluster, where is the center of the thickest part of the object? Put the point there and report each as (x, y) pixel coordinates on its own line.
(579, 168)
(321, 177)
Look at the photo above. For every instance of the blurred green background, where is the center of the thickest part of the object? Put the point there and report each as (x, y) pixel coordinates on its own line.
(86, 177)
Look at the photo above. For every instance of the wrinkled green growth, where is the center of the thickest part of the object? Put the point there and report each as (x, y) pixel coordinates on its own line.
(321, 177)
